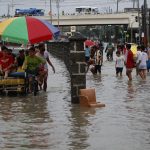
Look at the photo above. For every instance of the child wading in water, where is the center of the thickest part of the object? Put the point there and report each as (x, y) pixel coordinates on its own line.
(119, 63)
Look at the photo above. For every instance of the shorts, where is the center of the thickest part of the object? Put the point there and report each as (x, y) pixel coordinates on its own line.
(33, 72)
(142, 67)
(119, 70)
(87, 59)
(129, 69)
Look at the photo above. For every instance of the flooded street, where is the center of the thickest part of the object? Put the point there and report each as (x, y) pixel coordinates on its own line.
(50, 122)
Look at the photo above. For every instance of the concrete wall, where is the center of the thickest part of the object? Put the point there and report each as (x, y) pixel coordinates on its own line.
(97, 19)
(72, 53)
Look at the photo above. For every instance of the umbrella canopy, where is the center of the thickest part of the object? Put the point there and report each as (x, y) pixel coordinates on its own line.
(89, 43)
(27, 30)
(134, 48)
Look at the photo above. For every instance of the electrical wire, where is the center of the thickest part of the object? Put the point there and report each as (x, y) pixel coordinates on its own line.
(63, 3)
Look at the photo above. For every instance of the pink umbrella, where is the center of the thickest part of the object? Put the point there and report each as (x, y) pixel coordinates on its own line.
(89, 43)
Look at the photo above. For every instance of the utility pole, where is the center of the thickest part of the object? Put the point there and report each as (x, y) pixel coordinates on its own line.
(149, 27)
(139, 21)
(145, 22)
(12, 5)
(133, 3)
(117, 5)
(58, 10)
(50, 5)
(58, 6)
(8, 11)
(132, 31)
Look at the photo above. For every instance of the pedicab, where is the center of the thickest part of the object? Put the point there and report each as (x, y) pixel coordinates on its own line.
(15, 83)
(24, 30)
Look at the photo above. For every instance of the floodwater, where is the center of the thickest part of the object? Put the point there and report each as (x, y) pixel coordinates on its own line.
(50, 122)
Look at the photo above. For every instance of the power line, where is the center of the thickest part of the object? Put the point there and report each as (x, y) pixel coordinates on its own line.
(67, 3)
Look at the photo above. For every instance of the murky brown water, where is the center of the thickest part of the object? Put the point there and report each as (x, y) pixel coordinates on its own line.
(50, 122)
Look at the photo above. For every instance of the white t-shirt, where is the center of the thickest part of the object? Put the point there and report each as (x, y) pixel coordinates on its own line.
(138, 56)
(45, 56)
(120, 61)
(144, 58)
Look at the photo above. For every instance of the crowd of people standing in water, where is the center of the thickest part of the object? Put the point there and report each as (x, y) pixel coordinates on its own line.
(124, 58)
(33, 60)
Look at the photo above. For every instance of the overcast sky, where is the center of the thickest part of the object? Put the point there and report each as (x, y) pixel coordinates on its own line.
(68, 6)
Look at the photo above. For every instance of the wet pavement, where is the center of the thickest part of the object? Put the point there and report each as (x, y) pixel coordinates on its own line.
(50, 122)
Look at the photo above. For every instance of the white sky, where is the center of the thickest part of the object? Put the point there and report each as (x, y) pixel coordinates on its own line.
(68, 6)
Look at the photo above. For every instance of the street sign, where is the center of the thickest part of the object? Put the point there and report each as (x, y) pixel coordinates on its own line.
(136, 35)
(73, 28)
(142, 34)
(127, 35)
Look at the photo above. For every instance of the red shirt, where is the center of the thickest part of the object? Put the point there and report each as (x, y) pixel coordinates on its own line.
(12, 58)
(130, 59)
(6, 61)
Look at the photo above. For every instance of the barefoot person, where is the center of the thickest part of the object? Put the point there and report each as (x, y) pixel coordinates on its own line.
(119, 63)
(6, 62)
(32, 64)
(143, 64)
(129, 62)
(45, 56)
(138, 59)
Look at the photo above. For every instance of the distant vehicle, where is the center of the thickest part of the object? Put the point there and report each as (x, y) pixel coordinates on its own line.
(29, 12)
(86, 10)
